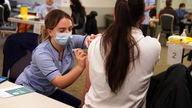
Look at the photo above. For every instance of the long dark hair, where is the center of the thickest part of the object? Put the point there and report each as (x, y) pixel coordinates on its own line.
(118, 42)
(77, 6)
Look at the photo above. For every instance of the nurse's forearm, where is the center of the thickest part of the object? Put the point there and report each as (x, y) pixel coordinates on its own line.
(67, 79)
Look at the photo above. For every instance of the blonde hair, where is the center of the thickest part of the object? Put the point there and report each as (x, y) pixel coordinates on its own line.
(44, 35)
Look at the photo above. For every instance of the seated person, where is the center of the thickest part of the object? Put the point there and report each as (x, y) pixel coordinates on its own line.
(182, 13)
(169, 10)
(43, 9)
(153, 22)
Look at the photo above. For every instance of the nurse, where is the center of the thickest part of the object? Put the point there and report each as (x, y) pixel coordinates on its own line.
(52, 66)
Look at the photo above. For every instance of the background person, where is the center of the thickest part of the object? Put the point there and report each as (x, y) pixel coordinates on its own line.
(149, 5)
(78, 15)
(182, 14)
(169, 10)
(43, 9)
(153, 22)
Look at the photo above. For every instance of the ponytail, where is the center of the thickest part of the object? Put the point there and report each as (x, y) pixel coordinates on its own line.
(119, 44)
(43, 36)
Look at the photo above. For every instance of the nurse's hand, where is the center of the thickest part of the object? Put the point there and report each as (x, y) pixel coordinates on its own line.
(90, 39)
(81, 57)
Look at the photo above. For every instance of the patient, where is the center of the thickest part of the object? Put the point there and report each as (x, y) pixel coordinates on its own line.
(120, 67)
(121, 61)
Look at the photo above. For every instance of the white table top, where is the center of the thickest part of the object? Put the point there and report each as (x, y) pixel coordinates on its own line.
(185, 46)
(30, 100)
(19, 20)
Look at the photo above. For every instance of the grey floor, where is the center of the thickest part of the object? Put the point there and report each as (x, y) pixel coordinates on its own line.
(77, 87)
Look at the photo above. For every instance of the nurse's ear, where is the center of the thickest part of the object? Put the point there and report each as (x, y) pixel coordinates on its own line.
(50, 33)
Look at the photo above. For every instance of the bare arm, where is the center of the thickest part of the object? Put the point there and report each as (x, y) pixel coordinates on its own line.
(87, 84)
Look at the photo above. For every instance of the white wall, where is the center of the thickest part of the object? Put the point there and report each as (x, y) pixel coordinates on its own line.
(103, 7)
(98, 3)
(92, 3)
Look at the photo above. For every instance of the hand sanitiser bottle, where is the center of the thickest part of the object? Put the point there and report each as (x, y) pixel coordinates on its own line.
(184, 33)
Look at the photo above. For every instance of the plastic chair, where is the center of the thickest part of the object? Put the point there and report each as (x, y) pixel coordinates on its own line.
(6, 27)
(166, 25)
(17, 53)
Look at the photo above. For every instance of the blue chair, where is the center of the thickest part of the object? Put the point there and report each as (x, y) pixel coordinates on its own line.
(17, 53)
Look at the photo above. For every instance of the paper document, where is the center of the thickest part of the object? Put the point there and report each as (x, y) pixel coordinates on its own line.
(14, 91)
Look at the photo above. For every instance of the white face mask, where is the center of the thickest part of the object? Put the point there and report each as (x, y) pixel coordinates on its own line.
(62, 38)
